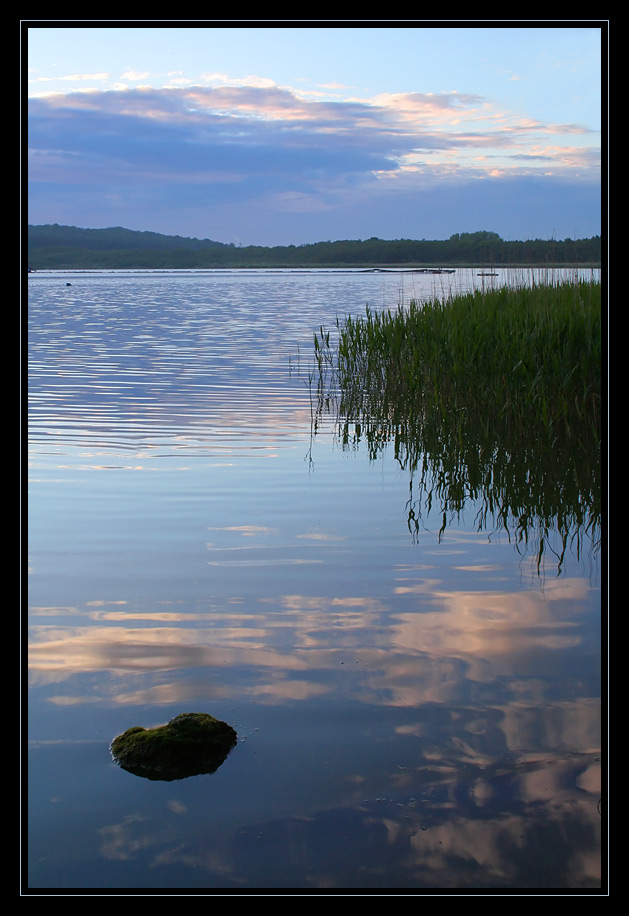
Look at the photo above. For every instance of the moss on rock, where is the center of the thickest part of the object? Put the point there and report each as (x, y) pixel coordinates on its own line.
(190, 744)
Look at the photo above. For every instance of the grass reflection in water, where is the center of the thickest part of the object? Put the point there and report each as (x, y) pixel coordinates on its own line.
(491, 398)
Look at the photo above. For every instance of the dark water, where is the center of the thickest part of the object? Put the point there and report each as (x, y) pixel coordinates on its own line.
(414, 711)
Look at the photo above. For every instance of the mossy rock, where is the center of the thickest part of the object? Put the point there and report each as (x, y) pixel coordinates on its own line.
(190, 744)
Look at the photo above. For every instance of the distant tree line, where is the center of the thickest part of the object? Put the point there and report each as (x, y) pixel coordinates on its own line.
(55, 246)
(114, 239)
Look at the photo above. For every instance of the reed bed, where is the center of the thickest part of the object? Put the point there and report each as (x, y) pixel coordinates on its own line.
(493, 396)
(506, 353)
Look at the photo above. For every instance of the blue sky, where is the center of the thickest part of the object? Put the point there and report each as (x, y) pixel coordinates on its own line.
(268, 135)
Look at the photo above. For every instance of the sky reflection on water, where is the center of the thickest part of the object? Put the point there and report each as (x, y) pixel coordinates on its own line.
(413, 712)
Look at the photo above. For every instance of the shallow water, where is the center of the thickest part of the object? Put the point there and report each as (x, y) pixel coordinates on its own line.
(414, 711)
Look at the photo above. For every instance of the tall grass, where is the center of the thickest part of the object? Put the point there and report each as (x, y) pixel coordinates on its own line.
(509, 353)
(493, 396)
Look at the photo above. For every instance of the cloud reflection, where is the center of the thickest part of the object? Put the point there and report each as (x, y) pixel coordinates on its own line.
(497, 743)
(372, 650)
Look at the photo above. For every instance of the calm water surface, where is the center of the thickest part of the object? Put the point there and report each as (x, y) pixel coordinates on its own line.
(413, 712)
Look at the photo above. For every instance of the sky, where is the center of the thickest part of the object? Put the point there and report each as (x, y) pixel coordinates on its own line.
(264, 134)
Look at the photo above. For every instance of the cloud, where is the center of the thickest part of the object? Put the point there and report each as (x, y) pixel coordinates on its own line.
(135, 75)
(73, 77)
(259, 146)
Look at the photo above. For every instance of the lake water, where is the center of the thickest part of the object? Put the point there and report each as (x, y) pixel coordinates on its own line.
(414, 710)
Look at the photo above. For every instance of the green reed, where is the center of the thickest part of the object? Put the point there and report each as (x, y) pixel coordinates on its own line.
(493, 396)
(507, 352)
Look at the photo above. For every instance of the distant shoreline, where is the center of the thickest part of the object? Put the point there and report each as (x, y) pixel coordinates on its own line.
(68, 248)
(406, 268)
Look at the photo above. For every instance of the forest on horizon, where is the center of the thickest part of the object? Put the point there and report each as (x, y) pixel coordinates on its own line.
(69, 247)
